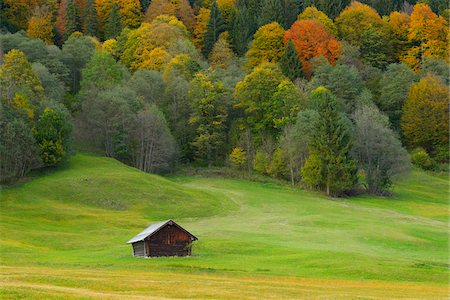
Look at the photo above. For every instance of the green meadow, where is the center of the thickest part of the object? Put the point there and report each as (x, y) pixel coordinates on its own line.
(64, 233)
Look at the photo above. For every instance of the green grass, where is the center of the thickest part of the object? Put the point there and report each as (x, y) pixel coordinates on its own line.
(63, 235)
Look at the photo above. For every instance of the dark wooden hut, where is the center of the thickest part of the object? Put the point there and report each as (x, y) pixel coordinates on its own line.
(163, 239)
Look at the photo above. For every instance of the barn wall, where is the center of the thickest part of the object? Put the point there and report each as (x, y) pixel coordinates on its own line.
(169, 241)
(139, 249)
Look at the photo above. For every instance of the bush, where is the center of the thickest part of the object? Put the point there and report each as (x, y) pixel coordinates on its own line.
(238, 158)
(277, 167)
(261, 162)
(421, 159)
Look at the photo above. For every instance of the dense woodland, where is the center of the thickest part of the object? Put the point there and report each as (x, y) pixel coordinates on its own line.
(330, 95)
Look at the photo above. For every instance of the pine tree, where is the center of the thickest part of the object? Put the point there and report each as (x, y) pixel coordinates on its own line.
(241, 30)
(90, 22)
(113, 24)
(216, 25)
(272, 11)
(290, 64)
(329, 166)
(73, 22)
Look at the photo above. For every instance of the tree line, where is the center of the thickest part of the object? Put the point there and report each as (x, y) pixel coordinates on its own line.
(313, 93)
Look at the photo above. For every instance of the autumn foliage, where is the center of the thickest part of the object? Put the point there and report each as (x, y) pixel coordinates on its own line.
(426, 115)
(311, 39)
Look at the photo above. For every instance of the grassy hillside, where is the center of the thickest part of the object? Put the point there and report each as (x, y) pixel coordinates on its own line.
(63, 235)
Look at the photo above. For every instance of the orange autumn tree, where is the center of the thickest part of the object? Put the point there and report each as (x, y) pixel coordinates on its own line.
(40, 25)
(311, 39)
(430, 34)
(201, 22)
(178, 8)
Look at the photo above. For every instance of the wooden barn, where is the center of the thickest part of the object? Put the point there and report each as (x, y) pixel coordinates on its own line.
(162, 239)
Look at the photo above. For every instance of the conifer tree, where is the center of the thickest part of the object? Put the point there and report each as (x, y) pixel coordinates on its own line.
(272, 11)
(90, 21)
(241, 29)
(113, 24)
(216, 25)
(290, 64)
(73, 22)
(329, 166)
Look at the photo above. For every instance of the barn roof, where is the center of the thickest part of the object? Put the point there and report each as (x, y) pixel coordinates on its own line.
(153, 228)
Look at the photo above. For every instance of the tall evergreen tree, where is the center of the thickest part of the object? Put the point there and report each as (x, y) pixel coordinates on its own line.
(240, 29)
(291, 10)
(329, 166)
(73, 22)
(216, 25)
(272, 11)
(90, 21)
(290, 64)
(113, 23)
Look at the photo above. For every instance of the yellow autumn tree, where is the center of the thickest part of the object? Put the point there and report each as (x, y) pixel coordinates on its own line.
(430, 34)
(355, 20)
(226, 7)
(178, 8)
(399, 23)
(40, 25)
(154, 59)
(162, 32)
(312, 13)
(129, 10)
(221, 54)
(425, 117)
(267, 45)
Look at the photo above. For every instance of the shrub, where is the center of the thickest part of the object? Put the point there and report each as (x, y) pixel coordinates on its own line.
(238, 158)
(261, 162)
(420, 158)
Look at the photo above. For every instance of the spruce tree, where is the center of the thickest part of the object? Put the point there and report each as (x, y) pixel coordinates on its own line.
(329, 166)
(290, 64)
(113, 25)
(90, 25)
(241, 29)
(216, 25)
(73, 22)
(272, 11)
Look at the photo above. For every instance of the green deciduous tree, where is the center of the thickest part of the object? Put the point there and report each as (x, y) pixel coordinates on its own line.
(52, 133)
(343, 81)
(269, 100)
(295, 141)
(209, 114)
(18, 151)
(378, 150)
(394, 88)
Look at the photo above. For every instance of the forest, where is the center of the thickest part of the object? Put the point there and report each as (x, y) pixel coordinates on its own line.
(335, 96)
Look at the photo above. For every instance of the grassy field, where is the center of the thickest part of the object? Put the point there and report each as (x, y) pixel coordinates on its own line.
(63, 236)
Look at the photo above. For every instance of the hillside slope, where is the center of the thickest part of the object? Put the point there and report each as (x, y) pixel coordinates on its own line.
(63, 234)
